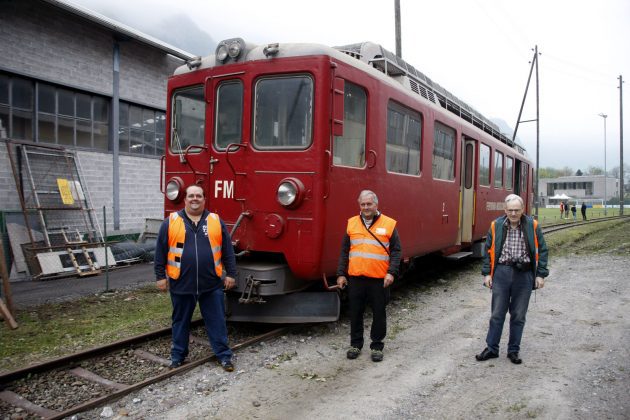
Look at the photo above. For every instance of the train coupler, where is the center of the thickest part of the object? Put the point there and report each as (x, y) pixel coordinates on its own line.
(251, 293)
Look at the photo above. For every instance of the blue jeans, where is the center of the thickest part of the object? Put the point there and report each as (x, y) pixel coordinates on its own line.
(212, 310)
(511, 290)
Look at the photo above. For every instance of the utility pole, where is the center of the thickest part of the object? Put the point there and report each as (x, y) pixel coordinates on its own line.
(620, 145)
(518, 121)
(397, 18)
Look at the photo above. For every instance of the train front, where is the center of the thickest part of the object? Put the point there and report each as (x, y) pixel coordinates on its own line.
(251, 125)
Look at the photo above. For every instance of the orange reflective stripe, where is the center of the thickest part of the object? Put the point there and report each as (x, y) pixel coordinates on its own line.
(492, 248)
(536, 240)
(216, 241)
(367, 257)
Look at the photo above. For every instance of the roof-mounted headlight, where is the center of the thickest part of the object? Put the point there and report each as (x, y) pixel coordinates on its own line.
(229, 48)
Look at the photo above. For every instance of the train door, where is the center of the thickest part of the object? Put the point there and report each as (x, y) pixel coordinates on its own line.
(467, 195)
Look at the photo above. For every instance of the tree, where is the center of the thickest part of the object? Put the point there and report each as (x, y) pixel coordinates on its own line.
(578, 173)
(566, 171)
(595, 170)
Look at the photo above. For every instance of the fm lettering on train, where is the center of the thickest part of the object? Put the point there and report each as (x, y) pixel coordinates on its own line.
(225, 187)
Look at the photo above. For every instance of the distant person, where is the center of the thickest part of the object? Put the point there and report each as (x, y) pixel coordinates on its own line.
(583, 210)
(194, 259)
(561, 210)
(368, 264)
(515, 262)
(573, 212)
(566, 210)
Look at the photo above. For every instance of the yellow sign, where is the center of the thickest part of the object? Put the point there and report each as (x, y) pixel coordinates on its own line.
(64, 190)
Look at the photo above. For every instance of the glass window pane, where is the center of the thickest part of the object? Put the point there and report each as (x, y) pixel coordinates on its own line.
(66, 131)
(135, 117)
(101, 109)
(46, 127)
(284, 112)
(404, 129)
(484, 165)
(22, 94)
(148, 119)
(123, 114)
(189, 110)
(123, 140)
(22, 125)
(101, 136)
(498, 169)
(159, 144)
(349, 149)
(4, 89)
(443, 152)
(84, 106)
(160, 123)
(508, 172)
(149, 143)
(136, 141)
(229, 115)
(4, 121)
(46, 98)
(65, 100)
(84, 133)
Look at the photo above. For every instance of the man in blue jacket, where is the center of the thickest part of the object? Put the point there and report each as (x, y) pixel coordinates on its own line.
(194, 259)
(515, 262)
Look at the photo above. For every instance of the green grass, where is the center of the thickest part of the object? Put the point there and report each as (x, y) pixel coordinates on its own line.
(552, 216)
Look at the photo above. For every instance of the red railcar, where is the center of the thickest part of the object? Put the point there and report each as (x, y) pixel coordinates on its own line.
(283, 137)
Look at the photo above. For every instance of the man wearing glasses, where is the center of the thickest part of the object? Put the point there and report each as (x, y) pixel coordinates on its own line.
(515, 263)
(194, 259)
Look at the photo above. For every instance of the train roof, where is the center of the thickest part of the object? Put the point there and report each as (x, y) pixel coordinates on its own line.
(372, 56)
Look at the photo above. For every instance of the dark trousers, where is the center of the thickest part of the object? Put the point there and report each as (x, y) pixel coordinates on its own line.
(361, 292)
(212, 310)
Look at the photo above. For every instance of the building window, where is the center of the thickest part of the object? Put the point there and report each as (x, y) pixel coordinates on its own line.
(443, 152)
(404, 135)
(141, 130)
(349, 149)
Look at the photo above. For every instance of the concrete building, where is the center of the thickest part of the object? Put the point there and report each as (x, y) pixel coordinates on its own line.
(72, 77)
(589, 188)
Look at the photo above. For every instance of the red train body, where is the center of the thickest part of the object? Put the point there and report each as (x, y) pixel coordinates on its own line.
(283, 138)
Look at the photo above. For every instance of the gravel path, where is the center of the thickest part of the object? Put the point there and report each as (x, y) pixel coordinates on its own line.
(576, 360)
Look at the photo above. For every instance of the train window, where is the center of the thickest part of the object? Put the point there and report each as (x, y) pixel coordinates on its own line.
(229, 114)
(349, 149)
(188, 118)
(443, 152)
(484, 165)
(524, 171)
(498, 169)
(283, 114)
(509, 175)
(404, 135)
(469, 166)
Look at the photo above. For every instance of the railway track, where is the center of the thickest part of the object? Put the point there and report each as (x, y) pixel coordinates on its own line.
(90, 379)
(561, 226)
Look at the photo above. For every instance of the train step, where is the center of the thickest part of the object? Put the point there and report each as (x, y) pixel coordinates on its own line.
(458, 255)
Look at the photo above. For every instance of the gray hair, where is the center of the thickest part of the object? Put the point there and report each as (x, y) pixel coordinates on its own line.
(514, 197)
(368, 192)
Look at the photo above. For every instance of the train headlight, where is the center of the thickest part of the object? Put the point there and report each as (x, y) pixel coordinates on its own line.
(290, 192)
(231, 48)
(222, 52)
(234, 49)
(174, 189)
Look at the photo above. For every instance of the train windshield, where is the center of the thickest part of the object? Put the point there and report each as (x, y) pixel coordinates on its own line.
(188, 119)
(283, 113)
(229, 114)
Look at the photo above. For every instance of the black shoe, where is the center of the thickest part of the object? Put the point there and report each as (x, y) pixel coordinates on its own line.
(227, 365)
(175, 364)
(377, 355)
(514, 358)
(353, 352)
(485, 355)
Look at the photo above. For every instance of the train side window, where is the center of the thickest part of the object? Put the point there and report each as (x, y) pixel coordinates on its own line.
(498, 169)
(443, 152)
(188, 119)
(349, 149)
(524, 172)
(484, 165)
(509, 173)
(283, 113)
(229, 114)
(404, 136)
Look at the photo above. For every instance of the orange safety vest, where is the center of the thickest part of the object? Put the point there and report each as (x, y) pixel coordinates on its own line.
(367, 257)
(492, 250)
(177, 237)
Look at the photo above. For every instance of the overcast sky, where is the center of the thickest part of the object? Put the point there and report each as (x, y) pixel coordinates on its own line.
(479, 50)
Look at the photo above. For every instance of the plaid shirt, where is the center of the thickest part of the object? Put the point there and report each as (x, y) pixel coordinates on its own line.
(514, 248)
